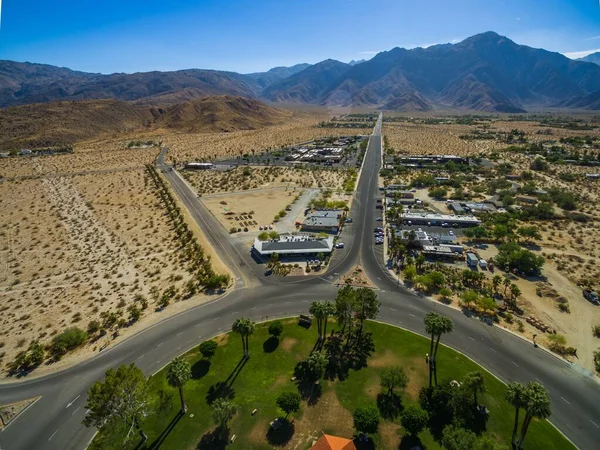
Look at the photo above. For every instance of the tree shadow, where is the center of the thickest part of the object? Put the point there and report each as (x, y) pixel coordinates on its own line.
(200, 369)
(390, 405)
(271, 344)
(409, 442)
(160, 439)
(282, 435)
(214, 440)
(219, 390)
(343, 356)
(364, 443)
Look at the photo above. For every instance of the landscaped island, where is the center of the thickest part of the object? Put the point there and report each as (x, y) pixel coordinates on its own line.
(364, 380)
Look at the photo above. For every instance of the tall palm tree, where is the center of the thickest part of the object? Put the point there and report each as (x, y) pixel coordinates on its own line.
(445, 326)
(475, 383)
(420, 261)
(318, 312)
(537, 404)
(514, 395)
(514, 292)
(496, 280)
(506, 282)
(178, 373)
(244, 327)
(328, 310)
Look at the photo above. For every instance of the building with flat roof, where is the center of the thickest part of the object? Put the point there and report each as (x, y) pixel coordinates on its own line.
(288, 245)
(327, 221)
(416, 218)
(420, 237)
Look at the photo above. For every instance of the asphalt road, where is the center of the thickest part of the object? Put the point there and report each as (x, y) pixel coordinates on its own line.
(54, 422)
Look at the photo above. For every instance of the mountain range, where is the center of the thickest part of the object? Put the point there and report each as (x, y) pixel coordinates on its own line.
(592, 58)
(486, 72)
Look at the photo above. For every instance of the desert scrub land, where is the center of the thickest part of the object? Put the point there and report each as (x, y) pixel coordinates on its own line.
(248, 177)
(97, 252)
(210, 146)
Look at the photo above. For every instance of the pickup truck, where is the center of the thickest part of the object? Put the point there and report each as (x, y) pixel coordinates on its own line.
(591, 296)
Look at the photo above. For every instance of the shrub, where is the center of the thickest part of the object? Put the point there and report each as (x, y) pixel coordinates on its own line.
(68, 340)
(414, 419)
(366, 419)
(93, 327)
(208, 349)
(276, 328)
(596, 331)
(289, 402)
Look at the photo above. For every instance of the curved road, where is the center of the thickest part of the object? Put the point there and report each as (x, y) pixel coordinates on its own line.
(54, 422)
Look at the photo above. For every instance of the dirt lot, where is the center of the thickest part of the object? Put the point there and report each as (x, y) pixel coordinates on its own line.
(247, 177)
(74, 247)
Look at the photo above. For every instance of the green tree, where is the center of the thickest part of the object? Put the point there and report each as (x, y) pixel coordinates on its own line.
(474, 383)
(414, 420)
(316, 363)
(393, 377)
(244, 327)
(515, 395)
(536, 404)
(496, 280)
(222, 412)
(275, 329)
(529, 233)
(344, 307)
(273, 235)
(178, 373)
(318, 311)
(328, 311)
(288, 402)
(208, 349)
(263, 236)
(134, 313)
(410, 272)
(121, 401)
(366, 419)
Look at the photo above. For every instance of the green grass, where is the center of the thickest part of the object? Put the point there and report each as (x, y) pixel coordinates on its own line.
(265, 375)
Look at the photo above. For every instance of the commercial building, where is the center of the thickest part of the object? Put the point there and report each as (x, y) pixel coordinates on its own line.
(327, 221)
(431, 219)
(526, 199)
(289, 245)
(419, 237)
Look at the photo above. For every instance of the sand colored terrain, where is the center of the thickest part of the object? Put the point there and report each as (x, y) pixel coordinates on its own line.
(211, 181)
(74, 247)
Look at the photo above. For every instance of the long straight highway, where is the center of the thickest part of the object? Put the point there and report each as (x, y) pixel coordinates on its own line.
(54, 422)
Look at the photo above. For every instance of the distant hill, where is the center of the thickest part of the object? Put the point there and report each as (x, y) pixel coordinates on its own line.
(265, 79)
(590, 102)
(353, 62)
(485, 72)
(307, 86)
(593, 58)
(217, 114)
(65, 123)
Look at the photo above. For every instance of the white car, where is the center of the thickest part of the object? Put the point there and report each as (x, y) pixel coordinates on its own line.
(270, 227)
(339, 245)
(451, 233)
(260, 228)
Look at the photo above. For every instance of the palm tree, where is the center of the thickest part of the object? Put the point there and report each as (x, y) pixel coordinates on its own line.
(496, 280)
(318, 311)
(436, 325)
(244, 327)
(328, 310)
(536, 404)
(514, 395)
(475, 383)
(514, 292)
(178, 373)
(420, 261)
(506, 282)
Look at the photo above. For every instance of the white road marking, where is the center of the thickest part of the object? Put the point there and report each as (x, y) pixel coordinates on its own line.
(235, 312)
(471, 338)
(595, 424)
(538, 379)
(53, 435)
(515, 363)
(179, 334)
(139, 357)
(566, 401)
(216, 318)
(76, 410)
(252, 308)
(74, 400)
(158, 345)
(287, 303)
(393, 309)
(493, 350)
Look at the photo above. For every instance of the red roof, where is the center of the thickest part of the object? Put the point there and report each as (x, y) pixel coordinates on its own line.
(327, 442)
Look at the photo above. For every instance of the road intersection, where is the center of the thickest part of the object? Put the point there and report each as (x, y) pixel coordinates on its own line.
(54, 422)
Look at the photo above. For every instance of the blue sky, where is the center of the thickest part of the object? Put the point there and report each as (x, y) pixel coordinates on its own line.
(254, 35)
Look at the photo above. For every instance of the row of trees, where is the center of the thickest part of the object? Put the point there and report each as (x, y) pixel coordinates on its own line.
(192, 253)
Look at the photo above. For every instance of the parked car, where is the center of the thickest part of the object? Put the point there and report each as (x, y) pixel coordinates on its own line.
(349, 220)
(268, 272)
(591, 296)
(339, 245)
(379, 219)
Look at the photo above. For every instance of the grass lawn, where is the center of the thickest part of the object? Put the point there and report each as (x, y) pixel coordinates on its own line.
(267, 373)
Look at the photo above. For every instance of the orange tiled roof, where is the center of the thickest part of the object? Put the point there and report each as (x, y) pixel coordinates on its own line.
(327, 442)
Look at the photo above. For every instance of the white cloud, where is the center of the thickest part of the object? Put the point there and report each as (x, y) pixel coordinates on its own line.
(369, 52)
(518, 18)
(580, 54)
(593, 38)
